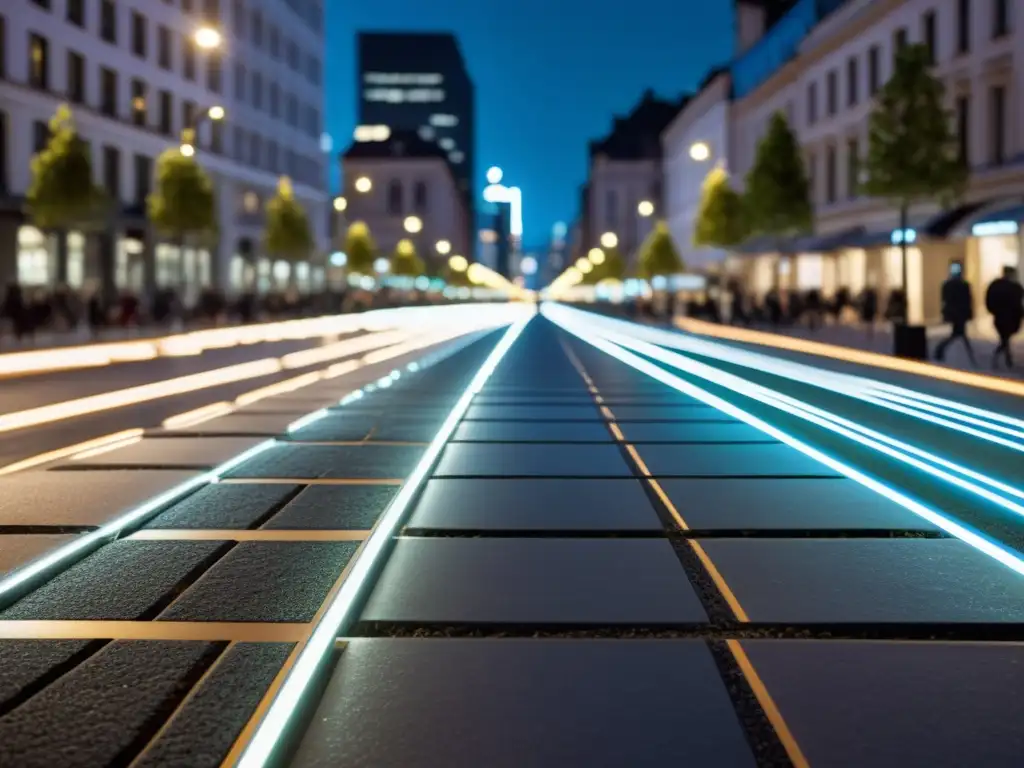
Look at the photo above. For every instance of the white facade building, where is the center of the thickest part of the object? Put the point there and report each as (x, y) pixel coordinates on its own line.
(694, 143)
(387, 182)
(134, 78)
(827, 91)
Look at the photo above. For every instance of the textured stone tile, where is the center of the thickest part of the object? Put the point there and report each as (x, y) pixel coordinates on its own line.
(224, 506)
(314, 461)
(170, 453)
(335, 507)
(537, 460)
(533, 432)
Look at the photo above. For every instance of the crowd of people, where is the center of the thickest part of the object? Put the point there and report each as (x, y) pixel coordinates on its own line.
(26, 313)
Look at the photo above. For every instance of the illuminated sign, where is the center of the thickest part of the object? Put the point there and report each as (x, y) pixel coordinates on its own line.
(403, 96)
(403, 78)
(995, 228)
(499, 193)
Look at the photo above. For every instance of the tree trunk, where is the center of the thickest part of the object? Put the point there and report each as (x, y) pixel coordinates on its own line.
(904, 266)
(61, 236)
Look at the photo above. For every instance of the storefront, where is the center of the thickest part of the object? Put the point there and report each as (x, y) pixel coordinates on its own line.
(995, 242)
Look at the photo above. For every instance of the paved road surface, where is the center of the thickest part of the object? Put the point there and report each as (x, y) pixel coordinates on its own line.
(595, 568)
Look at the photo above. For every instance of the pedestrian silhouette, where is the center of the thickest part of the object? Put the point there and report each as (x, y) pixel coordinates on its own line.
(1005, 300)
(957, 310)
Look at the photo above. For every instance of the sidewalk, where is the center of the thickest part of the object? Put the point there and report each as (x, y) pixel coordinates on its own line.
(81, 335)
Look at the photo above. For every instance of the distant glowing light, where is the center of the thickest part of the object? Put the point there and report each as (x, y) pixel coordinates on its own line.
(995, 228)
(444, 247)
(513, 196)
(339, 259)
(413, 224)
(609, 240)
(340, 204)
(700, 151)
(381, 266)
(596, 256)
(899, 236)
(208, 38)
(216, 113)
(366, 133)
(584, 266)
(363, 184)
(645, 208)
(458, 263)
(187, 150)
(528, 266)
(494, 175)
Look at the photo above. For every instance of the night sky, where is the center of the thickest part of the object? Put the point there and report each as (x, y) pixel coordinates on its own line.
(549, 75)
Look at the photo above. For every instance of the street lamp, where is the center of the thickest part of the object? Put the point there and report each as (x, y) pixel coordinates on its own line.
(596, 257)
(494, 175)
(645, 208)
(363, 184)
(413, 224)
(216, 112)
(208, 38)
(700, 151)
(609, 240)
(458, 263)
(340, 204)
(584, 266)
(443, 247)
(187, 149)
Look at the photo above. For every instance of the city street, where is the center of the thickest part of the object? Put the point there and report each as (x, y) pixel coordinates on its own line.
(548, 540)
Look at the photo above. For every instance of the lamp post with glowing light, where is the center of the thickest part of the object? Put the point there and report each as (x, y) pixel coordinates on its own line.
(189, 135)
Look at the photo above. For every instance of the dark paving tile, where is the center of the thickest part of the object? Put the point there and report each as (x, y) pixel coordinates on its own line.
(259, 425)
(93, 715)
(125, 580)
(526, 460)
(335, 507)
(535, 505)
(533, 431)
(534, 582)
(407, 431)
(693, 432)
(491, 389)
(26, 664)
(787, 504)
(265, 581)
(224, 506)
(342, 427)
(583, 398)
(534, 412)
(694, 412)
(708, 460)
(314, 461)
(272, 405)
(538, 703)
(170, 452)
(203, 731)
(867, 580)
(17, 550)
(853, 704)
(81, 498)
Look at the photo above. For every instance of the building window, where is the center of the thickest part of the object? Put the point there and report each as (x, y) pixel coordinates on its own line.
(257, 90)
(419, 197)
(275, 43)
(275, 100)
(38, 62)
(395, 197)
(166, 113)
(899, 41)
(832, 86)
(874, 70)
(963, 128)
(3, 47)
(188, 54)
(272, 158)
(143, 177)
(217, 136)
(831, 193)
(928, 36)
(214, 78)
(255, 150)
(108, 92)
(139, 34)
(240, 77)
(188, 115)
(257, 29)
(112, 171)
(108, 21)
(76, 12)
(852, 168)
(812, 103)
(3, 152)
(238, 17)
(812, 175)
(163, 47)
(40, 136)
(1000, 18)
(963, 26)
(211, 11)
(76, 77)
(997, 100)
(851, 82)
(611, 209)
(138, 103)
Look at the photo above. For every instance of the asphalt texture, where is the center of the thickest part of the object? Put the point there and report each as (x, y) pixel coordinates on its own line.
(597, 569)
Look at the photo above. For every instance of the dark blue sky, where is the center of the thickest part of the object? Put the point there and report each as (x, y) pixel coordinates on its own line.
(549, 75)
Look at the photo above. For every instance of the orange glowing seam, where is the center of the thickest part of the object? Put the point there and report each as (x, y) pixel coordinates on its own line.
(198, 416)
(99, 450)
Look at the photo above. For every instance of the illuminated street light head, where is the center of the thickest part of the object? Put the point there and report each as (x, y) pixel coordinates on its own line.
(609, 240)
(208, 38)
(413, 224)
(584, 266)
(340, 204)
(700, 151)
(187, 150)
(646, 208)
(406, 248)
(458, 263)
(443, 247)
(596, 256)
(216, 112)
(363, 184)
(494, 175)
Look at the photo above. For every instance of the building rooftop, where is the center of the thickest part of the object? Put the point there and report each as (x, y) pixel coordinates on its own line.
(401, 144)
(636, 136)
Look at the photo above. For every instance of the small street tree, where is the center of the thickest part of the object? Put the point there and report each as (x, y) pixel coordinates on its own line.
(777, 202)
(719, 221)
(360, 249)
(182, 204)
(287, 234)
(658, 254)
(406, 262)
(62, 195)
(913, 154)
(612, 268)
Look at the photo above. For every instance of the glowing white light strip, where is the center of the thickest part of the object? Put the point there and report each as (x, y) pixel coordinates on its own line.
(321, 641)
(968, 535)
(986, 423)
(65, 555)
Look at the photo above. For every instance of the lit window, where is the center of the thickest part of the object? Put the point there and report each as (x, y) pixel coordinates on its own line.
(447, 143)
(457, 156)
(250, 202)
(444, 121)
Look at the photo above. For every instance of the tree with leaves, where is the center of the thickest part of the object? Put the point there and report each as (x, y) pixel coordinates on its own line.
(719, 221)
(777, 202)
(658, 254)
(913, 154)
(62, 195)
(613, 267)
(182, 205)
(287, 235)
(406, 262)
(360, 249)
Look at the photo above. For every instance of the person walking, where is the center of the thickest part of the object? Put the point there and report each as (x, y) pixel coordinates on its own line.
(868, 306)
(957, 310)
(1005, 300)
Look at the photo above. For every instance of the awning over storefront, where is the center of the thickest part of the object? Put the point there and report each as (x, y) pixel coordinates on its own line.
(1002, 219)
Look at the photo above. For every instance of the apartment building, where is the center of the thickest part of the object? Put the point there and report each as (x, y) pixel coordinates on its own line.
(135, 77)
